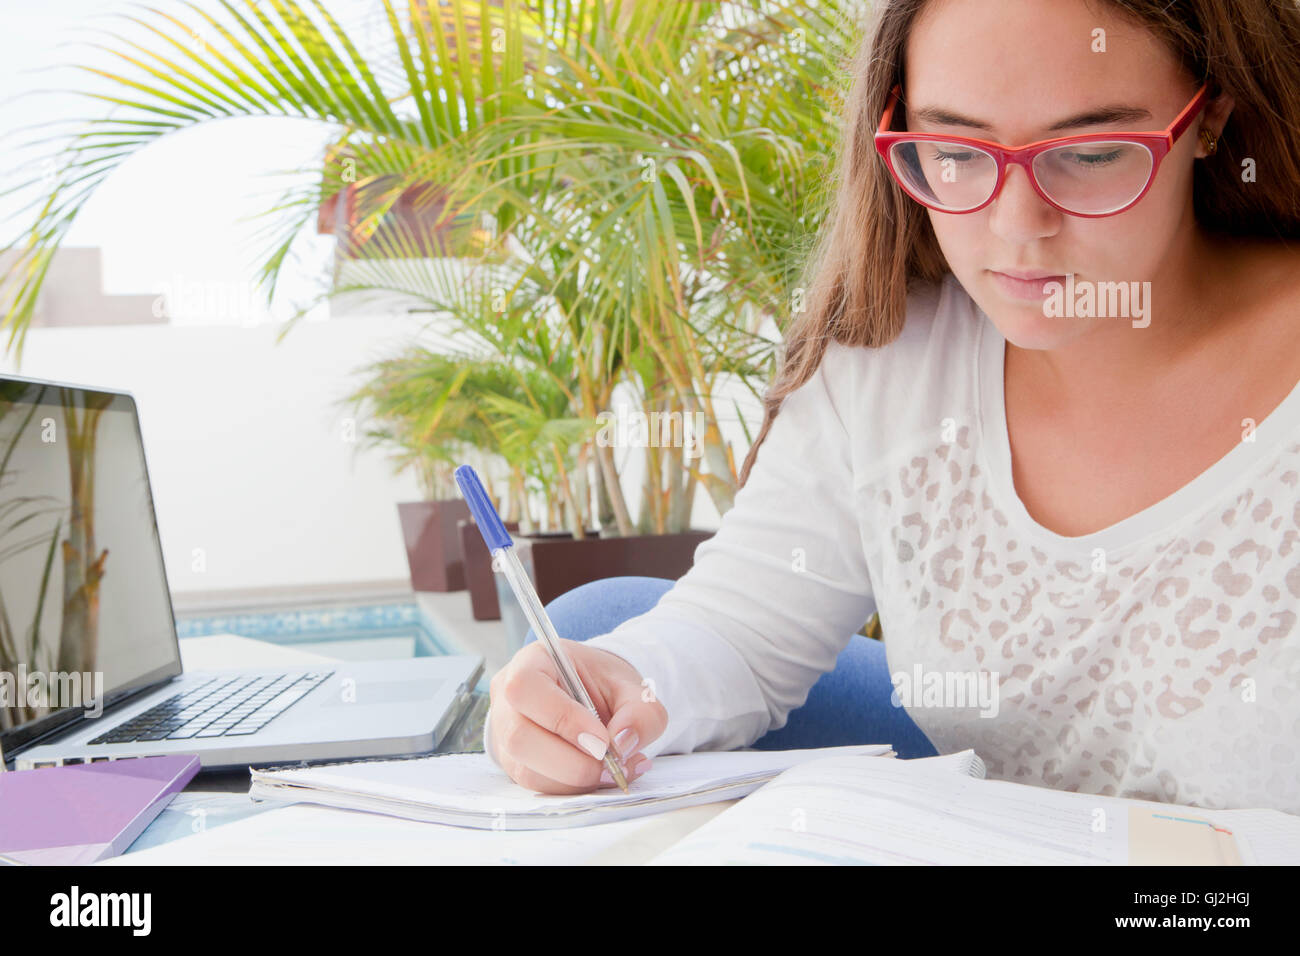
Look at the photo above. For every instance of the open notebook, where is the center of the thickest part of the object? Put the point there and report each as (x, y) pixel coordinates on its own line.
(470, 790)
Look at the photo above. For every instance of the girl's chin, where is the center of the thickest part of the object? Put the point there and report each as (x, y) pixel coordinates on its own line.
(1035, 330)
(1026, 325)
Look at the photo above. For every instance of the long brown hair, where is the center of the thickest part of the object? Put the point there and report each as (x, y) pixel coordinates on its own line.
(877, 243)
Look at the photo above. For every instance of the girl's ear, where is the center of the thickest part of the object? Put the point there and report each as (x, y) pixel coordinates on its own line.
(1215, 119)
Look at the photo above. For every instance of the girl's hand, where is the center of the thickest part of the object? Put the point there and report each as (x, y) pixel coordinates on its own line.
(538, 731)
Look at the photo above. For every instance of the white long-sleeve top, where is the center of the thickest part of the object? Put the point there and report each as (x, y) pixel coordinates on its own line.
(1157, 658)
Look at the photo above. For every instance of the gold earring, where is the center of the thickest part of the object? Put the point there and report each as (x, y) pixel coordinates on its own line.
(1209, 141)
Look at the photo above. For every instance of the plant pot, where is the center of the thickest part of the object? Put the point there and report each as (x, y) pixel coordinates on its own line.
(478, 571)
(432, 535)
(513, 618)
(558, 563)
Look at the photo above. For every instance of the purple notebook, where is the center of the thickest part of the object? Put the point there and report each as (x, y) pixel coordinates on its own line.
(86, 812)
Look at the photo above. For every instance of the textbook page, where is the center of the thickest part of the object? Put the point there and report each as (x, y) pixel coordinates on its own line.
(847, 811)
(852, 812)
(1263, 837)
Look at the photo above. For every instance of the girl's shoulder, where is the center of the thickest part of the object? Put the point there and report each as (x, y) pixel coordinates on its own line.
(899, 395)
(938, 339)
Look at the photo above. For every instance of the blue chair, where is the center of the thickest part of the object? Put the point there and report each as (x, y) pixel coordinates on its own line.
(850, 704)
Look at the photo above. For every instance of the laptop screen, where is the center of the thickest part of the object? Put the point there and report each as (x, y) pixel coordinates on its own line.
(85, 613)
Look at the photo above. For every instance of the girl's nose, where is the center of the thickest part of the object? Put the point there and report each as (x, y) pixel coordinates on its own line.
(1017, 212)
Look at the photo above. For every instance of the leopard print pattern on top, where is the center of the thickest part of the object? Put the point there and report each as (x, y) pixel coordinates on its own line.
(1148, 672)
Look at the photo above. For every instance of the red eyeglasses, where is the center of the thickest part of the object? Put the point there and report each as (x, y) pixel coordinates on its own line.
(1093, 175)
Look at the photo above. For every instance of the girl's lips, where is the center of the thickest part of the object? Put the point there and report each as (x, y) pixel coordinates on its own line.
(1024, 288)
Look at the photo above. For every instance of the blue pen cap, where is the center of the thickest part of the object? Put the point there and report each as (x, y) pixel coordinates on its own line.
(489, 523)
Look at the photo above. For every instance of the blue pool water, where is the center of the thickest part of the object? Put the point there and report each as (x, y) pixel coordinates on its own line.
(319, 624)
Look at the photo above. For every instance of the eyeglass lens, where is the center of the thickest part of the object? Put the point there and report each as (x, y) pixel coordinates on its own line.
(1094, 177)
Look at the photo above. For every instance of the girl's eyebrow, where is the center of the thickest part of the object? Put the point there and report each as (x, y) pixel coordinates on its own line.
(1092, 117)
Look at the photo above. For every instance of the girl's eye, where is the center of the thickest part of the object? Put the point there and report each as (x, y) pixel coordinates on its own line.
(963, 157)
(1093, 159)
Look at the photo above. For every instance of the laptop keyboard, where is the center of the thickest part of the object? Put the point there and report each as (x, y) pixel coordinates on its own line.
(219, 707)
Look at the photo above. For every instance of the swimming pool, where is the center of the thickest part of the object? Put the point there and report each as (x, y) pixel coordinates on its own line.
(351, 632)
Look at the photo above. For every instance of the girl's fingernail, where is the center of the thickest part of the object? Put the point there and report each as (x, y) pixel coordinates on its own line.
(605, 777)
(592, 744)
(626, 740)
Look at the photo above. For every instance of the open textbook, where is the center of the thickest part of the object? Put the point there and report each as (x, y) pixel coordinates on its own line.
(848, 811)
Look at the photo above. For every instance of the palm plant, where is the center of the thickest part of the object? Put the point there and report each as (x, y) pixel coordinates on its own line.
(437, 411)
(648, 176)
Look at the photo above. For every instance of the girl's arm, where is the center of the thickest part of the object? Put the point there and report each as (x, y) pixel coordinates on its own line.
(773, 596)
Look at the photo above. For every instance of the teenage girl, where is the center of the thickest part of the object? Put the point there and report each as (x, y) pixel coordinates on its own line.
(1095, 513)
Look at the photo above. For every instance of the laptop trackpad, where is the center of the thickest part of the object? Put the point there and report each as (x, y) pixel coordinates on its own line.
(352, 692)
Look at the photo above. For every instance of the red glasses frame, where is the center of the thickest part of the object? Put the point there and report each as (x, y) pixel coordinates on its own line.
(1159, 143)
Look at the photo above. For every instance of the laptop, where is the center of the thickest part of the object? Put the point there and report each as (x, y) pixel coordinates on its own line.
(90, 666)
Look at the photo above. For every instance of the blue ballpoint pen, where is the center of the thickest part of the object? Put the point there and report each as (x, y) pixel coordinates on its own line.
(501, 545)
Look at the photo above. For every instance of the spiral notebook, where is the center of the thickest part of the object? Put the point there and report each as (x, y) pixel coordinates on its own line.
(470, 790)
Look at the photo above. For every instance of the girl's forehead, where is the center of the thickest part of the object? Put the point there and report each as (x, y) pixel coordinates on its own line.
(1051, 43)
